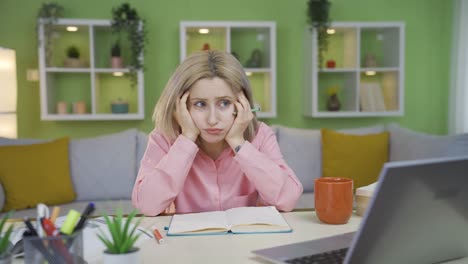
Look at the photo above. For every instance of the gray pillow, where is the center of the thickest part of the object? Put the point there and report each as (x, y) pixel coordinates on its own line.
(302, 150)
(142, 142)
(406, 144)
(104, 167)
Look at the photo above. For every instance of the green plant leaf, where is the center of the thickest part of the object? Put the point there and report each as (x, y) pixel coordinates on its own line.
(122, 237)
(110, 247)
(5, 236)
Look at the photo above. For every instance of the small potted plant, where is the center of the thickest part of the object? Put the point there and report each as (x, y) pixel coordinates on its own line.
(120, 245)
(5, 245)
(116, 59)
(73, 57)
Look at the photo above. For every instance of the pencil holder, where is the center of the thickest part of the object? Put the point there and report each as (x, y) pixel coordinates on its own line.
(54, 250)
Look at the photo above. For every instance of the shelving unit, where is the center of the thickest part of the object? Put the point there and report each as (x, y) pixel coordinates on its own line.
(93, 82)
(368, 70)
(241, 38)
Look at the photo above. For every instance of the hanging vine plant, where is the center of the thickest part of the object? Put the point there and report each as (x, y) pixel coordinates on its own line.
(318, 18)
(125, 20)
(48, 14)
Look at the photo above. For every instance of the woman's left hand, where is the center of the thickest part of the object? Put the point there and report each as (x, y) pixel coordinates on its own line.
(235, 136)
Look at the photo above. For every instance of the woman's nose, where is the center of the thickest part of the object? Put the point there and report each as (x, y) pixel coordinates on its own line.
(213, 117)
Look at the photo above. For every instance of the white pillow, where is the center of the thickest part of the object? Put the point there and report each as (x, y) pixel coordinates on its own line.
(142, 142)
(407, 144)
(104, 168)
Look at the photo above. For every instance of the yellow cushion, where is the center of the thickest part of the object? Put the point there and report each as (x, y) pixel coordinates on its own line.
(359, 157)
(37, 173)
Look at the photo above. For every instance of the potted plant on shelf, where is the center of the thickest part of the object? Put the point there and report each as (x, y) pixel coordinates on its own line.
(48, 15)
(120, 245)
(73, 57)
(5, 245)
(116, 59)
(125, 19)
(318, 18)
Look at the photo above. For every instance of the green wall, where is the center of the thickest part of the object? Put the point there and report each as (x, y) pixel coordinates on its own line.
(428, 35)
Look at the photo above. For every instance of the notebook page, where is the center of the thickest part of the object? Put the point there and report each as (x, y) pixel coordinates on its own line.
(265, 215)
(186, 223)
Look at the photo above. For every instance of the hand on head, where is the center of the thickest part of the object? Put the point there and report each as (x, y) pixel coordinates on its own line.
(184, 119)
(243, 118)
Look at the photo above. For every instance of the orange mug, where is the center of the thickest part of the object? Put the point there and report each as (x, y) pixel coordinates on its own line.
(333, 199)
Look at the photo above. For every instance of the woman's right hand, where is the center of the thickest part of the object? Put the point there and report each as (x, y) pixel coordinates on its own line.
(183, 117)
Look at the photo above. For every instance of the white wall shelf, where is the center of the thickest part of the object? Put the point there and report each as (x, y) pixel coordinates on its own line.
(93, 82)
(368, 70)
(241, 38)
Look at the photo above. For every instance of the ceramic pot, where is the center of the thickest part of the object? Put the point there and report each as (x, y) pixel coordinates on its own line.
(119, 107)
(132, 257)
(116, 62)
(72, 63)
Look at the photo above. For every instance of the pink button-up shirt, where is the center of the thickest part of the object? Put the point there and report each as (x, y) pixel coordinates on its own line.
(180, 172)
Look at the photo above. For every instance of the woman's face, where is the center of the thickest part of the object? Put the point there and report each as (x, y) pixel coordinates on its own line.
(211, 105)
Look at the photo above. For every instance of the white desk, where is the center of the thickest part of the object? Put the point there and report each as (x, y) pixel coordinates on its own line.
(234, 248)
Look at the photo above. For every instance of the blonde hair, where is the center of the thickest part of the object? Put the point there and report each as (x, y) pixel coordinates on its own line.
(201, 65)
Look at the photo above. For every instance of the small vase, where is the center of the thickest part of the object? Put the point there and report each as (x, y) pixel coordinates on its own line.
(333, 103)
(131, 257)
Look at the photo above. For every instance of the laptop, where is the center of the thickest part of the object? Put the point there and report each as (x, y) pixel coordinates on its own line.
(418, 214)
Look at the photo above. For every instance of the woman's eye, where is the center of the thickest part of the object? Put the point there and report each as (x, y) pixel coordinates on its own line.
(224, 103)
(199, 104)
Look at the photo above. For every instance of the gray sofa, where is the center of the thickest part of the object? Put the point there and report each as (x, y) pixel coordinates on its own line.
(103, 169)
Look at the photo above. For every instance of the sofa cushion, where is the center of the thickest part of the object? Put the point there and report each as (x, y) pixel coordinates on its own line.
(36, 173)
(104, 167)
(142, 142)
(302, 150)
(359, 157)
(407, 144)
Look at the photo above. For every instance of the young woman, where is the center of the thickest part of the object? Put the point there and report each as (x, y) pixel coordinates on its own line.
(208, 152)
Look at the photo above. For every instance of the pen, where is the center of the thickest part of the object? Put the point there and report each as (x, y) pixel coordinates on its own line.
(49, 227)
(157, 235)
(87, 211)
(55, 214)
(253, 110)
(30, 227)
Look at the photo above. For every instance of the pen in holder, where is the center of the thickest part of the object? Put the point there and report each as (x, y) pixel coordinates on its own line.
(54, 249)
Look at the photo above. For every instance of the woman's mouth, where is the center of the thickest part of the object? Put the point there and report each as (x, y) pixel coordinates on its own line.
(214, 131)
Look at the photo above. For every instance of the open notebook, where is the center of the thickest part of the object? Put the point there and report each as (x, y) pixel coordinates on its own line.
(240, 220)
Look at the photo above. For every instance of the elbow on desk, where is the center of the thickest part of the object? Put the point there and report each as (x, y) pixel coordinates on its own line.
(286, 202)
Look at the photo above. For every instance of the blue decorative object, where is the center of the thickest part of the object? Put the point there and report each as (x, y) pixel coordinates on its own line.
(119, 107)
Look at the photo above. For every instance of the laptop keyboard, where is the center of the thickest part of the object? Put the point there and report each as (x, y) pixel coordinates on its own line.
(332, 257)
